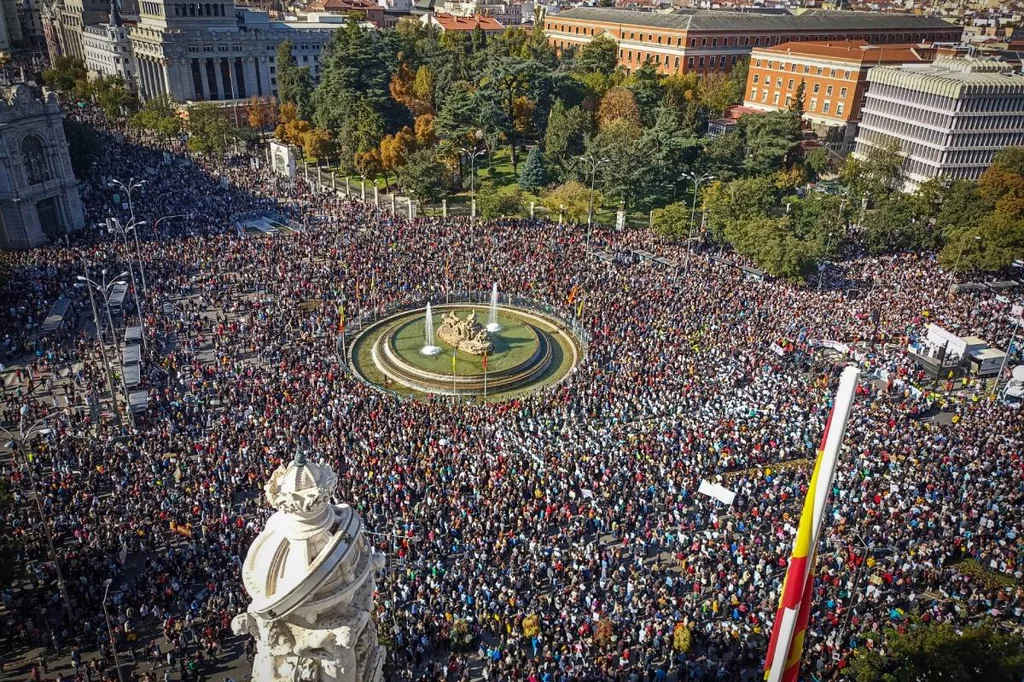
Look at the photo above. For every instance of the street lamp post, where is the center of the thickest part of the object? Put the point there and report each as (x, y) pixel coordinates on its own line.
(128, 188)
(17, 444)
(956, 265)
(473, 156)
(84, 281)
(821, 270)
(594, 163)
(114, 225)
(697, 180)
(110, 630)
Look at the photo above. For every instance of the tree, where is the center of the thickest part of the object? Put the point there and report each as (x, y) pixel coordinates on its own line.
(992, 245)
(522, 115)
(426, 177)
(533, 175)
(456, 121)
(673, 221)
(961, 208)
(878, 174)
(897, 224)
(600, 55)
(261, 113)
(368, 164)
(506, 79)
(505, 201)
(769, 140)
(728, 203)
(618, 104)
(818, 162)
(798, 103)
(294, 84)
(395, 150)
(572, 200)
(352, 99)
(208, 132)
(723, 155)
(290, 128)
(626, 176)
(423, 89)
(159, 116)
(317, 145)
(424, 129)
(112, 96)
(66, 74)
(924, 652)
(717, 93)
(1002, 185)
(564, 137)
(647, 91)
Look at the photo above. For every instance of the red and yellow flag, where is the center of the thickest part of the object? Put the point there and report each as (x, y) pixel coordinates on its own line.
(795, 603)
(341, 319)
(484, 362)
(573, 292)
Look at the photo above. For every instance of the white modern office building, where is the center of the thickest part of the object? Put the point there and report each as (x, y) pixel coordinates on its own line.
(950, 117)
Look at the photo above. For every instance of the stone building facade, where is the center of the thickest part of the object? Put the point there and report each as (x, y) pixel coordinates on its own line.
(38, 191)
(108, 52)
(213, 51)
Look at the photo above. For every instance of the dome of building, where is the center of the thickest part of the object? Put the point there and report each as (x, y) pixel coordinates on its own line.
(308, 551)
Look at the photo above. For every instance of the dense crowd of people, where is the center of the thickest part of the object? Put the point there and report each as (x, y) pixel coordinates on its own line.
(577, 505)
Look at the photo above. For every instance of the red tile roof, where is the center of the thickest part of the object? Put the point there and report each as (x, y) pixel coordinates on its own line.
(453, 23)
(858, 51)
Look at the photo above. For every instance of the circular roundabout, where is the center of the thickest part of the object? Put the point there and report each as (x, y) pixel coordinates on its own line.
(510, 354)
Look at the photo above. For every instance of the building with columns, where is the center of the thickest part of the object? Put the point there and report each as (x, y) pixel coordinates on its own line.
(38, 191)
(213, 51)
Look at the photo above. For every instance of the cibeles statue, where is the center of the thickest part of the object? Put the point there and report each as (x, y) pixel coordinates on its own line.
(310, 575)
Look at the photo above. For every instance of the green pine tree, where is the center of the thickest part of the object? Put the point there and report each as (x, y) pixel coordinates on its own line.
(533, 175)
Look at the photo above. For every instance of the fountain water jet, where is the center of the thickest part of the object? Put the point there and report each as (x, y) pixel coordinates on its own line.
(492, 320)
(429, 348)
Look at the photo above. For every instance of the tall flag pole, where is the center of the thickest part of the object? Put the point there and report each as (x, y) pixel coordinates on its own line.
(785, 648)
(484, 363)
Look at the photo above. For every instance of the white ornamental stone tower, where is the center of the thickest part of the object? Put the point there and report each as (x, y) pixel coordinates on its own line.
(310, 575)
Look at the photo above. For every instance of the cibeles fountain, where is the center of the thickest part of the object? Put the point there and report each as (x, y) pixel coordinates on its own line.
(310, 575)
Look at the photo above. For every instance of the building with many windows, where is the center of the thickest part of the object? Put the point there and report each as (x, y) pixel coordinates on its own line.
(213, 51)
(707, 41)
(38, 191)
(108, 51)
(949, 118)
(834, 76)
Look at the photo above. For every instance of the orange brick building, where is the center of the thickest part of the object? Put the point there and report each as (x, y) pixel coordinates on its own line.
(707, 41)
(835, 78)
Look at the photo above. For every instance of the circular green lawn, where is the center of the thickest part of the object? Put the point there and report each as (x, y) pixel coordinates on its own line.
(513, 345)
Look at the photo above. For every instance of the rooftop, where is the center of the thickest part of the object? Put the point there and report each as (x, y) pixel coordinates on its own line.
(951, 77)
(453, 23)
(718, 20)
(857, 51)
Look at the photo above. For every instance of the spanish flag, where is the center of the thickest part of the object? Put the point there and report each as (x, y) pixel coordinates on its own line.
(782, 663)
(453, 360)
(341, 319)
(572, 293)
(484, 362)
